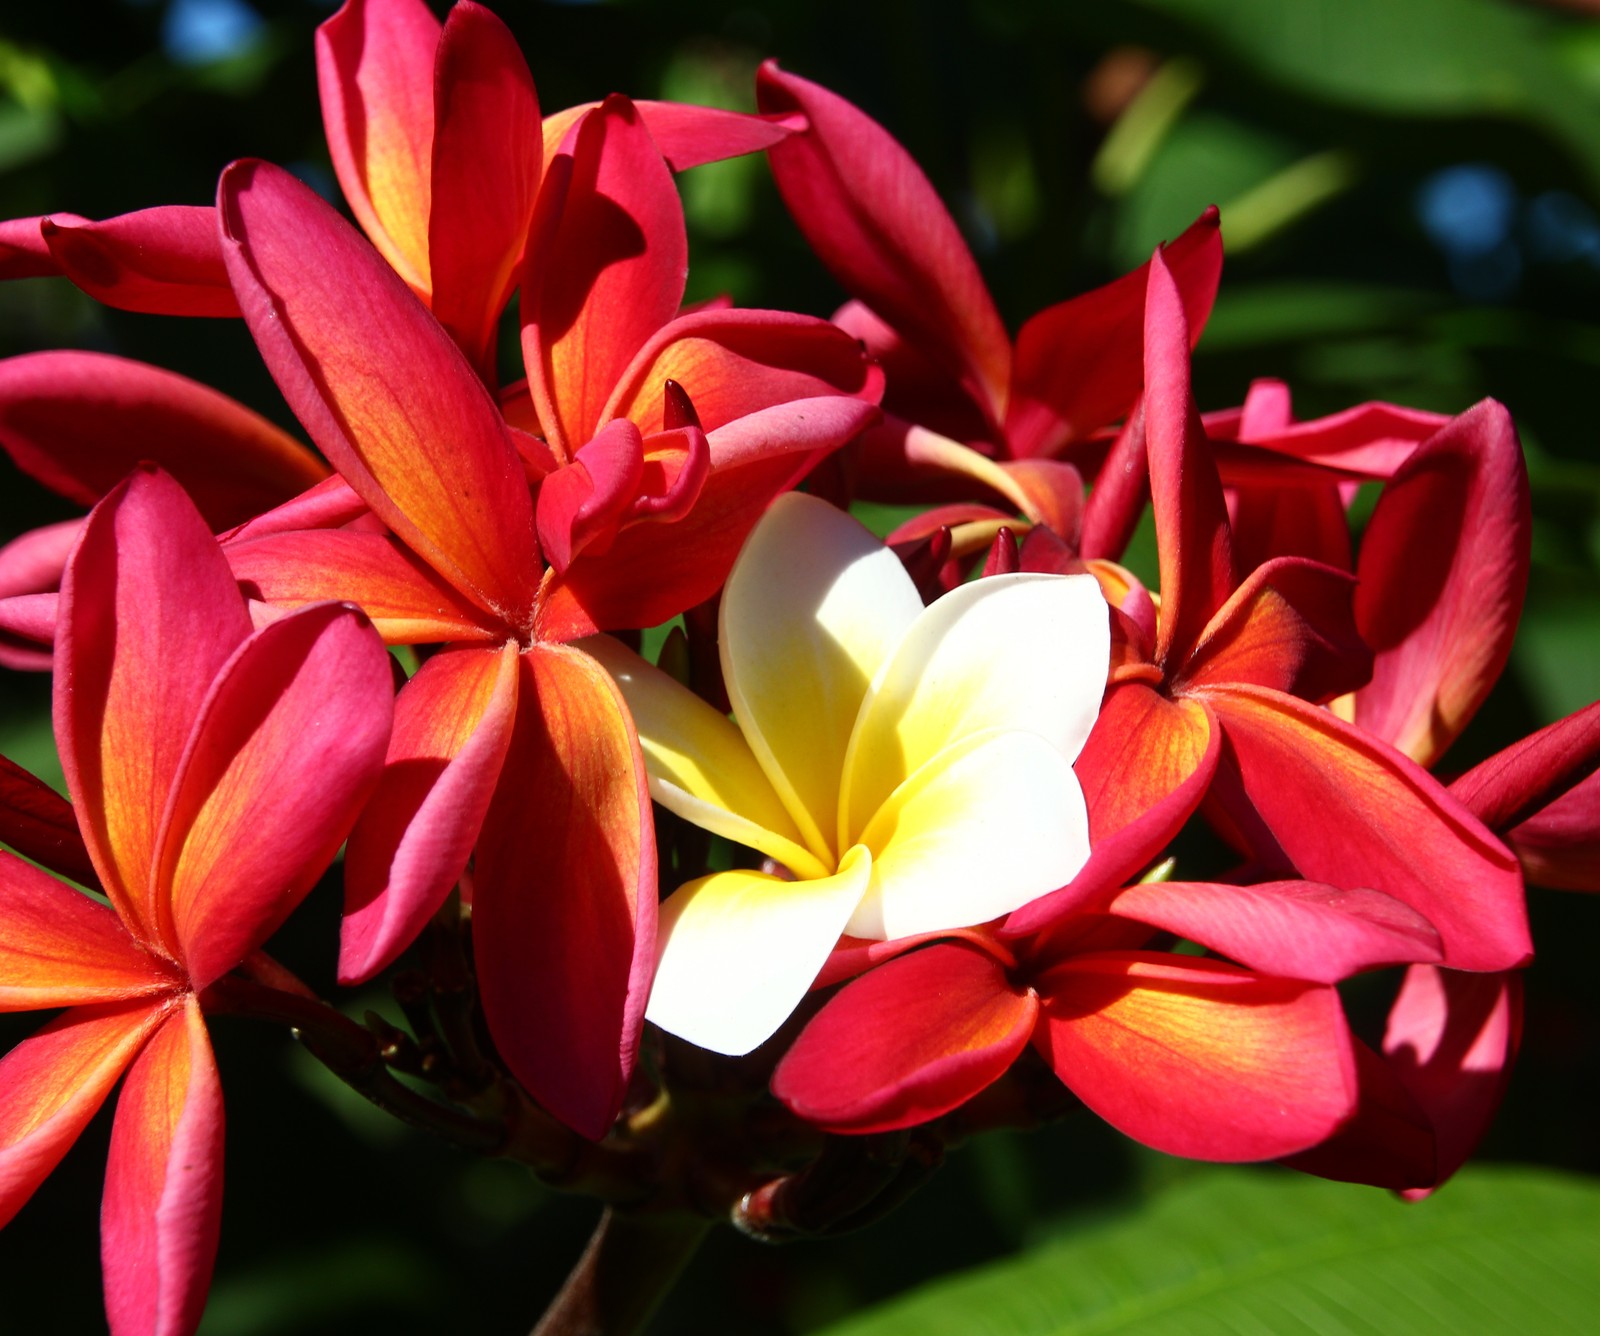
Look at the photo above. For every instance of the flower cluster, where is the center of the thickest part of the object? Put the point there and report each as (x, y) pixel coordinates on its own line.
(911, 819)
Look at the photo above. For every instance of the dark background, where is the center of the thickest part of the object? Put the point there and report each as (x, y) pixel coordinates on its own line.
(1409, 191)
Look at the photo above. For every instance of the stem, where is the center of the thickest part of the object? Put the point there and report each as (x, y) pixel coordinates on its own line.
(630, 1265)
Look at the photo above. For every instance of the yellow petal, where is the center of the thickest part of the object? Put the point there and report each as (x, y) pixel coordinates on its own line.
(990, 823)
(1026, 652)
(740, 949)
(812, 609)
(699, 764)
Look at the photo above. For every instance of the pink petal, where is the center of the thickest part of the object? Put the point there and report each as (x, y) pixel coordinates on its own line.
(907, 1041)
(1078, 364)
(60, 948)
(1352, 812)
(602, 274)
(1191, 519)
(452, 727)
(1297, 929)
(304, 707)
(40, 825)
(149, 614)
(164, 261)
(1198, 1058)
(52, 1084)
(876, 222)
(1443, 566)
(381, 387)
(487, 153)
(162, 1209)
(564, 904)
(1452, 1038)
(375, 70)
(79, 422)
(1290, 627)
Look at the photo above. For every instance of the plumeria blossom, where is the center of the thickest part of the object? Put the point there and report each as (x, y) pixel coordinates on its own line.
(965, 405)
(511, 748)
(189, 742)
(909, 768)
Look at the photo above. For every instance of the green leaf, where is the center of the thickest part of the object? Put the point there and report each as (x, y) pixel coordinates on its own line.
(1230, 1252)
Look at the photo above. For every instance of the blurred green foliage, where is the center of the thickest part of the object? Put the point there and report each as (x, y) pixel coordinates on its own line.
(1410, 189)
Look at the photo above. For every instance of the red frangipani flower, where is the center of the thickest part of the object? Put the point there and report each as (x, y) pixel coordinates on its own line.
(215, 770)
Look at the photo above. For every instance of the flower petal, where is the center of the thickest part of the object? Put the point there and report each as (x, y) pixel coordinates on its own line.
(986, 825)
(375, 61)
(700, 765)
(304, 707)
(381, 387)
(1020, 651)
(1198, 1058)
(79, 422)
(486, 158)
(1078, 362)
(908, 1041)
(149, 614)
(1443, 567)
(1350, 811)
(814, 607)
(164, 261)
(876, 222)
(1295, 929)
(52, 1084)
(564, 900)
(60, 948)
(605, 275)
(740, 949)
(452, 726)
(163, 1201)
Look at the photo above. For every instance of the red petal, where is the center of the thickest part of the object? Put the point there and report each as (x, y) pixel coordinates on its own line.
(452, 726)
(375, 63)
(655, 571)
(1079, 362)
(52, 1084)
(381, 387)
(487, 154)
(304, 707)
(1296, 929)
(1198, 1058)
(1452, 1039)
(407, 602)
(60, 948)
(737, 362)
(1443, 567)
(605, 275)
(79, 422)
(1290, 627)
(564, 905)
(164, 261)
(149, 614)
(162, 1208)
(1352, 812)
(1191, 519)
(908, 1041)
(1145, 768)
(876, 222)
(40, 825)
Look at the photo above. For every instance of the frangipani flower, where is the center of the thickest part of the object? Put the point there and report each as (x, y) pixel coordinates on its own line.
(215, 771)
(910, 767)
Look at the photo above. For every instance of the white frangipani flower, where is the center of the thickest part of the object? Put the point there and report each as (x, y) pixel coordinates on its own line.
(911, 766)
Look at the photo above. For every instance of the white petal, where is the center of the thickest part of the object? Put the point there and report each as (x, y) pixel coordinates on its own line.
(699, 764)
(994, 821)
(738, 950)
(1026, 652)
(813, 607)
